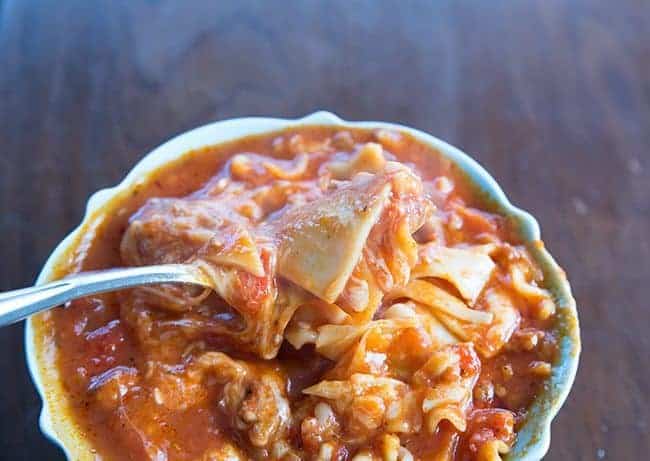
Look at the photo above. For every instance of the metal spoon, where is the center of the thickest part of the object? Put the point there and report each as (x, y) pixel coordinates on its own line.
(17, 305)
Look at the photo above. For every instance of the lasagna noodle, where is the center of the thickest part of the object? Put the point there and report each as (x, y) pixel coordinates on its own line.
(467, 269)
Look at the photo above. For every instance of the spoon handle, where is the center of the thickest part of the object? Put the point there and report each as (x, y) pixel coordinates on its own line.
(17, 305)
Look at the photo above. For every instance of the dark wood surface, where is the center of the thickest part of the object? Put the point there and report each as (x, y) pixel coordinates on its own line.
(553, 97)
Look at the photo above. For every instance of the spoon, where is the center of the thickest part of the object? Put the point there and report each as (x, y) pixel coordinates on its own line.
(17, 305)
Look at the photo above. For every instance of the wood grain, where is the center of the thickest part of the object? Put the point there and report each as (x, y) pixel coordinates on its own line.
(553, 97)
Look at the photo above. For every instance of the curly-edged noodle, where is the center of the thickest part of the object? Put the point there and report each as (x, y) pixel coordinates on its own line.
(370, 403)
(435, 327)
(304, 325)
(449, 377)
(358, 384)
(506, 320)
(392, 449)
(492, 450)
(333, 340)
(440, 390)
(491, 433)
(379, 348)
(322, 241)
(522, 286)
(458, 328)
(227, 452)
(369, 158)
(487, 338)
(438, 299)
(466, 269)
(265, 311)
(332, 390)
(362, 295)
(299, 335)
(531, 292)
(391, 251)
(248, 166)
(413, 310)
(313, 319)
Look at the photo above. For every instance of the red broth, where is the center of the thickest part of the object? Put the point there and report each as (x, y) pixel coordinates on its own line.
(152, 378)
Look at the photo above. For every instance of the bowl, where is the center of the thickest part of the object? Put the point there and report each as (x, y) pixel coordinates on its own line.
(533, 438)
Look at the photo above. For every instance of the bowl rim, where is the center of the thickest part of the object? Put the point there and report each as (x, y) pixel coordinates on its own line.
(533, 439)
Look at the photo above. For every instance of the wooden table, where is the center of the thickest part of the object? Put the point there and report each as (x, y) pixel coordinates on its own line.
(553, 97)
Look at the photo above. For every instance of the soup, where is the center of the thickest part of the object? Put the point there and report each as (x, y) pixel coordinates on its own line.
(366, 304)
